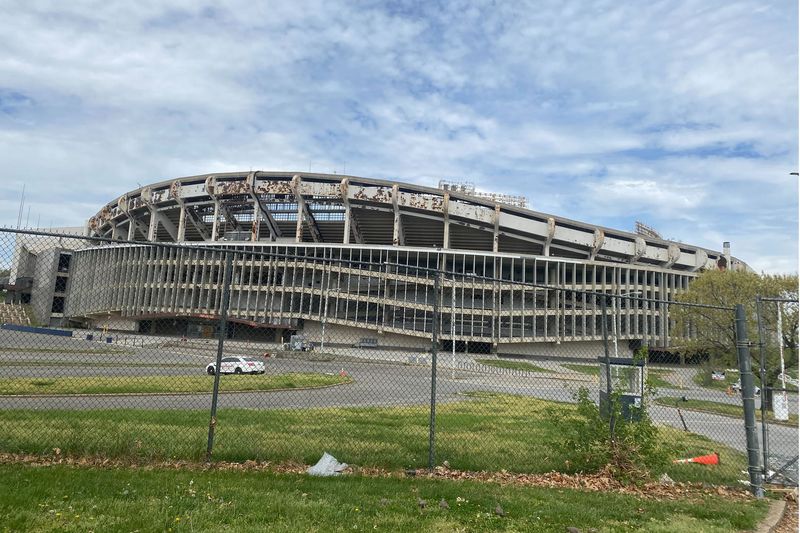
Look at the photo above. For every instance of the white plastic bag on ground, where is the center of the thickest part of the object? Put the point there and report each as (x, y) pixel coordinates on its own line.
(327, 466)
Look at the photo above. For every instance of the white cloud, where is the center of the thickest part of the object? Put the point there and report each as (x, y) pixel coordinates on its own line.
(682, 113)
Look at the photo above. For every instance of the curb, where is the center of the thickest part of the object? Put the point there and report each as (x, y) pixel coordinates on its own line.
(710, 412)
(773, 518)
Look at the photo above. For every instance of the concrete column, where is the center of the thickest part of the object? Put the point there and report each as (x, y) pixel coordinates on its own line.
(182, 224)
(446, 213)
(496, 238)
(256, 226)
(152, 230)
(551, 231)
(347, 215)
(298, 233)
(215, 225)
(397, 230)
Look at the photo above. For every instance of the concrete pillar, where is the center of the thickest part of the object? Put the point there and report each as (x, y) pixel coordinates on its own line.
(347, 215)
(256, 226)
(182, 224)
(298, 233)
(496, 233)
(215, 225)
(152, 230)
(396, 228)
(446, 213)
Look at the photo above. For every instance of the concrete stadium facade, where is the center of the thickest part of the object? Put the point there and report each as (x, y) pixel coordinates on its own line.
(321, 251)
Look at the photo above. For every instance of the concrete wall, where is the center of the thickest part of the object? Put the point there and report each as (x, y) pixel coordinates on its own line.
(567, 350)
(44, 279)
(334, 333)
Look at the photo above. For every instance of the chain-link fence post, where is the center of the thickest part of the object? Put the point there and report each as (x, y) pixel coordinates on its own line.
(748, 401)
(223, 330)
(434, 354)
(607, 358)
(764, 389)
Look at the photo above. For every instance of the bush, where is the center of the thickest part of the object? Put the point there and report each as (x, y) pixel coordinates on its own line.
(630, 455)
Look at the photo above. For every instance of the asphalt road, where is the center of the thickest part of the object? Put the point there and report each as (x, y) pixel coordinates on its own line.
(376, 383)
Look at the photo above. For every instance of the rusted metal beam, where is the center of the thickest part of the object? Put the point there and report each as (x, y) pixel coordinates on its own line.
(197, 222)
(230, 217)
(260, 210)
(304, 213)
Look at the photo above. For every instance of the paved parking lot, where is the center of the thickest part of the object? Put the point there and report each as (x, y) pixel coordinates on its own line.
(388, 381)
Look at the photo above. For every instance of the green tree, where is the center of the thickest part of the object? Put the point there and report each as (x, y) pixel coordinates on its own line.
(711, 332)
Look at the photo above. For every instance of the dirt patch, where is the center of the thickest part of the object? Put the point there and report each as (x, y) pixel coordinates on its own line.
(789, 521)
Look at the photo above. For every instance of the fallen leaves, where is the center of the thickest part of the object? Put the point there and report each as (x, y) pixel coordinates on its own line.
(602, 481)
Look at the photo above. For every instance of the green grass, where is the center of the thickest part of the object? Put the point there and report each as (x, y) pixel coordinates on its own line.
(490, 432)
(512, 365)
(68, 499)
(655, 375)
(164, 384)
(725, 409)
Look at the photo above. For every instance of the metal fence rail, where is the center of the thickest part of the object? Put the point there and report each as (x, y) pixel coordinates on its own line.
(385, 358)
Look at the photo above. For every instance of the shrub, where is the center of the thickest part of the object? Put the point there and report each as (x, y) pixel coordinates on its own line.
(628, 449)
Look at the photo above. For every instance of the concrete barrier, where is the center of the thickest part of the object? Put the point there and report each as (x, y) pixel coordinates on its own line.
(32, 329)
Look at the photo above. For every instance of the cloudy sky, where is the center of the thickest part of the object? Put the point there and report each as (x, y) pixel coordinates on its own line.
(682, 114)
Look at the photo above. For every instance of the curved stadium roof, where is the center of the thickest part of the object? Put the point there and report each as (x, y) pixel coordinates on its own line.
(292, 207)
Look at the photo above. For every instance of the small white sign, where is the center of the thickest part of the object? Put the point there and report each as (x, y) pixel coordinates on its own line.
(780, 406)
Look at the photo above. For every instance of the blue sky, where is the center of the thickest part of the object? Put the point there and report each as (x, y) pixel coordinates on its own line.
(681, 114)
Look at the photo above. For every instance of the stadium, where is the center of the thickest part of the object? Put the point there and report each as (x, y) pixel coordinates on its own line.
(334, 257)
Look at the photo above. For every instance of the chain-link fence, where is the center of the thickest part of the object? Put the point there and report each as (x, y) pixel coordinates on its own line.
(777, 322)
(383, 357)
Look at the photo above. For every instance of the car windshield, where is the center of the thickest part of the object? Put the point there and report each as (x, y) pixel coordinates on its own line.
(251, 359)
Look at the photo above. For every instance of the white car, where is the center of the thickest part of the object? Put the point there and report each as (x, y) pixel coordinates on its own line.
(737, 387)
(237, 365)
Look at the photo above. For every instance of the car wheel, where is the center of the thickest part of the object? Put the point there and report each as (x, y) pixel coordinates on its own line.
(237, 371)
(210, 370)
